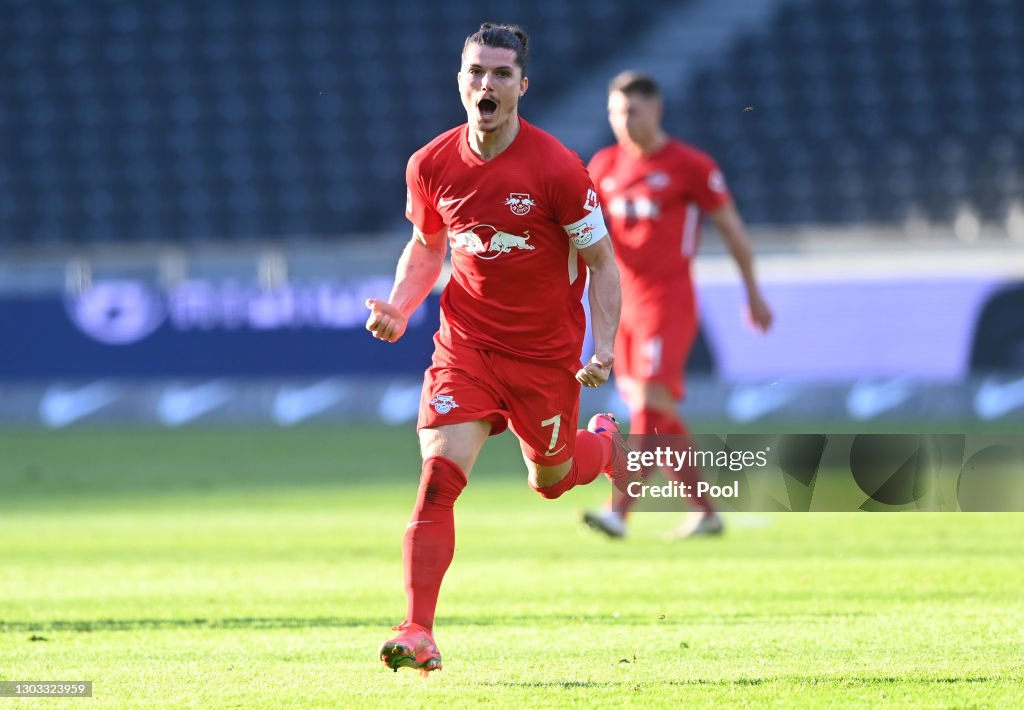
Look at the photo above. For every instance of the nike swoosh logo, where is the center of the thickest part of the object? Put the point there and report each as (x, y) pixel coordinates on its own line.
(180, 405)
(444, 202)
(747, 403)
(399, 403)
(61, 406)
(295, 404)
(552, 453)
(869, 399)
(993, 399)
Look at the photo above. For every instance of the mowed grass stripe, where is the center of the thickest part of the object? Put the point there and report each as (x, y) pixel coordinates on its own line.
(267, 573)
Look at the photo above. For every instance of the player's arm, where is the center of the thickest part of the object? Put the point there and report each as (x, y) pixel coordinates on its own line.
(605, 305)
(730, 225)
(418, 270)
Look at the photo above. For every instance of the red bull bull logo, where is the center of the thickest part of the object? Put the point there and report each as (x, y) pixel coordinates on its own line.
(486, 242)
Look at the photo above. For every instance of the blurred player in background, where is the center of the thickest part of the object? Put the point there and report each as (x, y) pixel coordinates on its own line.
(655, 190)
(525, 226)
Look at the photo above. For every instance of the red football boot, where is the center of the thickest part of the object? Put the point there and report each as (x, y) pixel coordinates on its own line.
(618, 473)
(413, 648)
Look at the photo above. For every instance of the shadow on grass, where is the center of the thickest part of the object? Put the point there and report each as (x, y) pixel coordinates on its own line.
(449, 623)
(245, 622)
(823, 681)
(567, 684)
(100, 625)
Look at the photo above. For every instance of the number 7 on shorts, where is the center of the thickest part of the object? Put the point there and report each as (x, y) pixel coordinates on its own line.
(556, 423)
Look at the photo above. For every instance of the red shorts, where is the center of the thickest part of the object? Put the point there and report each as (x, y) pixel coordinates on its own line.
(540, 401)
(653, 345)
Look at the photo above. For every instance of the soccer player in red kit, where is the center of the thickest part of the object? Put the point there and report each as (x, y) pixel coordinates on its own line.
(655, 190)
(525, 227)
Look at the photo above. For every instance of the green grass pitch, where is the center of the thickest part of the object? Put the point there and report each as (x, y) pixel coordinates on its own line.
(247, 569)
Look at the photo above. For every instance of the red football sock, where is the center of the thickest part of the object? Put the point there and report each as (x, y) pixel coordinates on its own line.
(429, 542)
(655, 422)
(640, 422)
(688, 474)
(593, 453)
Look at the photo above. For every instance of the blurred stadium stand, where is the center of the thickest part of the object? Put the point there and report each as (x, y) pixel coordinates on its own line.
(124, 121)
(200, 194)
(127, 121)
(868, 111)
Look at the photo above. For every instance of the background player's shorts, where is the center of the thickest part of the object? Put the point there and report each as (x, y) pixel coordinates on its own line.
(652, 346)
(541, 401)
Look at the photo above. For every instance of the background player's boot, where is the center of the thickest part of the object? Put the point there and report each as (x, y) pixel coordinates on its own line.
(698, 524)
(607, 521)
(414, 647)
(606, 425)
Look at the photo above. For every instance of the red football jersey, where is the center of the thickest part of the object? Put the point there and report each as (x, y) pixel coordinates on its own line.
(654, 207)
(514, 224)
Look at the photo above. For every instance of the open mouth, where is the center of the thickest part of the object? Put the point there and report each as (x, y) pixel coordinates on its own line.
(487, 108)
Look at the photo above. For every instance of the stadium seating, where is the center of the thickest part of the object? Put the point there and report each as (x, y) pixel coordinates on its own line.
(238, 119)
(868, 110)
(188, 120)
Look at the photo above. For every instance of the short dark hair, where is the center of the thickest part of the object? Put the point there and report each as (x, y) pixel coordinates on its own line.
(634, 83)
(492, 34)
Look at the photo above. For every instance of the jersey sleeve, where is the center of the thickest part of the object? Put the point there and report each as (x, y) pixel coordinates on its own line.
(419, 205)
(576, 205)
(710, 190)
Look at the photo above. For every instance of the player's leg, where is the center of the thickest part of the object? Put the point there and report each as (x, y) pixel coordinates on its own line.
(658, 414)
(428, 546)
(457, 414)
(459, 443)
(610, 520)
(559, 456)
(655, 412)
(652, 386)
(643, 398)
(658, 387)
(598, 449)
(429, 542)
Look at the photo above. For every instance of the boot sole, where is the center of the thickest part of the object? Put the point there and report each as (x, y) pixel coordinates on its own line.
(594, 523)
(397, 655)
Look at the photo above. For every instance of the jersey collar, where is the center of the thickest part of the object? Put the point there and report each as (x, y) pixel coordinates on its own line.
(469, 157)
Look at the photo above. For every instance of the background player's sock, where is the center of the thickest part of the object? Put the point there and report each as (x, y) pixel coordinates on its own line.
(593, 453)
(688, 474)
(643, 424)
(647, 424)
(429, 542)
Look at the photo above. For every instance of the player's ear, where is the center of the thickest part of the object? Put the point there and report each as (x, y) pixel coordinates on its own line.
(524, 84)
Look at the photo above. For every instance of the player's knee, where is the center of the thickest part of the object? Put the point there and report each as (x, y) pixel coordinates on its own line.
(441, 480)
(547, 492)
(550, 482)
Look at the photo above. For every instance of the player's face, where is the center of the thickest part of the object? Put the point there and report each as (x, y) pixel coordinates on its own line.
(634, 119)
(491, 83)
